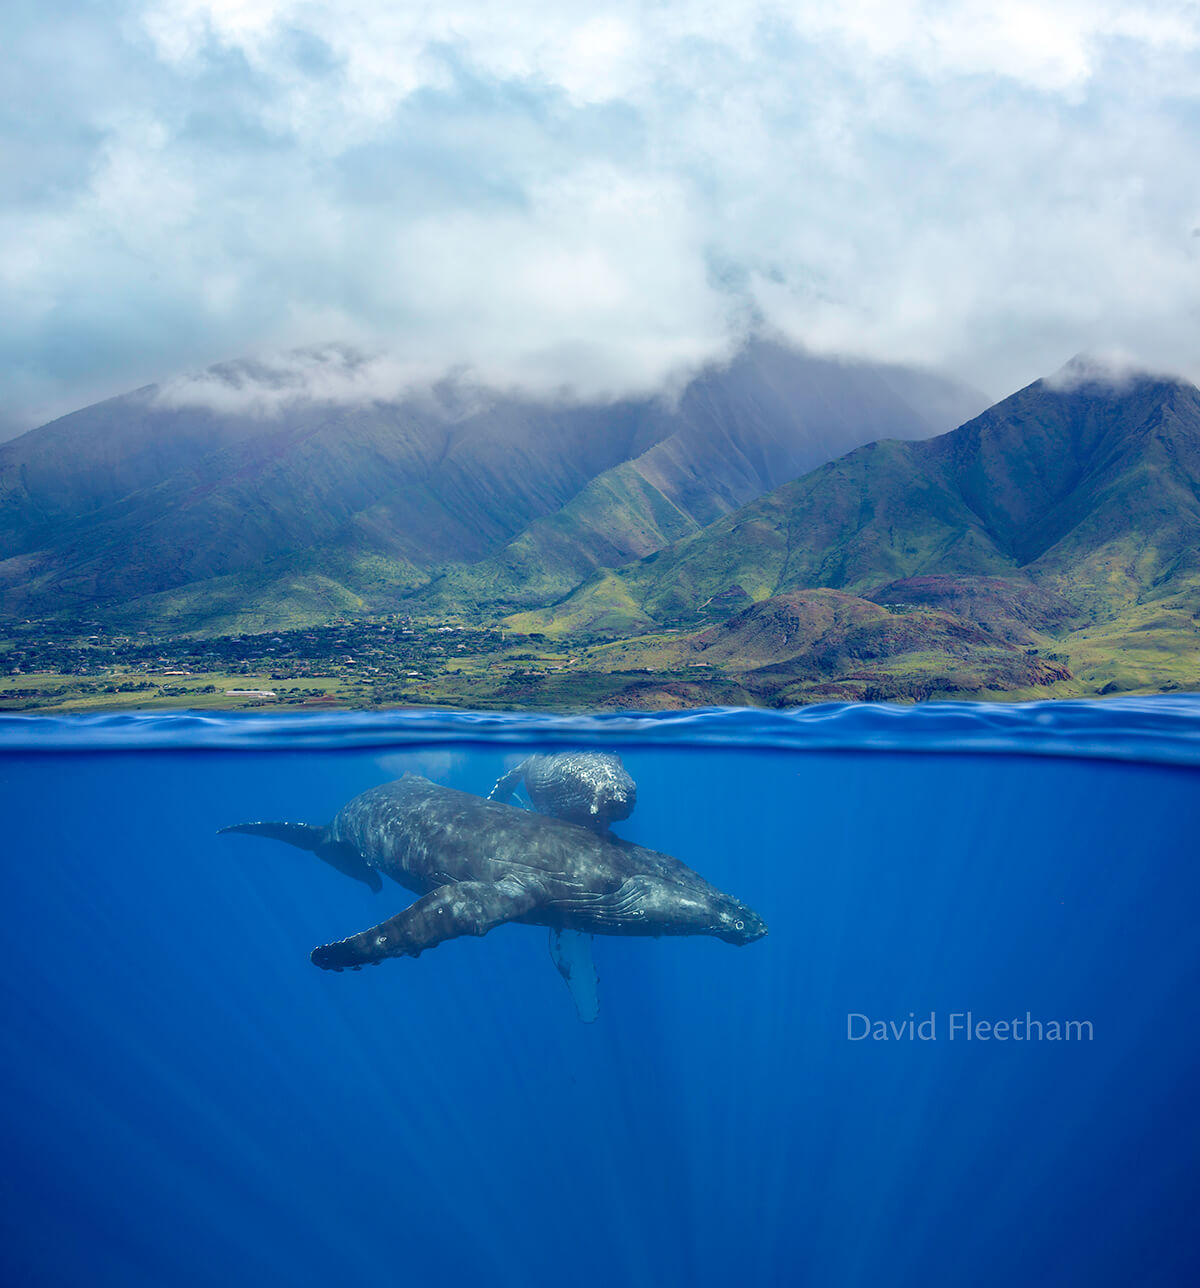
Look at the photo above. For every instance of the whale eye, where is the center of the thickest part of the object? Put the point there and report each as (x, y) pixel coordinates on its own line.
(739, 925)
(380, 940)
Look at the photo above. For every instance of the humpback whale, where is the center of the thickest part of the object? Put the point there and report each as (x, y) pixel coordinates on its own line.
(591, 788)
(477, 863)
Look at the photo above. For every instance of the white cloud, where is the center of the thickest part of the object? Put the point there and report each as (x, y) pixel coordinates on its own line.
(595, 196)
(1113, 368)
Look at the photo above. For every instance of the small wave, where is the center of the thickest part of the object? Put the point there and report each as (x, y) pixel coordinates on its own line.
(1158, 730)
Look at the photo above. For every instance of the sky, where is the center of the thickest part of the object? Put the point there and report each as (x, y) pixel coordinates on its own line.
(592, 198)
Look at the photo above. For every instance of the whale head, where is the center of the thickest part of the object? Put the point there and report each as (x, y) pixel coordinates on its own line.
(689, 906)
(739, 924)
(614, 797)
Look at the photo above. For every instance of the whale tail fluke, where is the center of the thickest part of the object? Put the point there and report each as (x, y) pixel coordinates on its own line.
(304, 836)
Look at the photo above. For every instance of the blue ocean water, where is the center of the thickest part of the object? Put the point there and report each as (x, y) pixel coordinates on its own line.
(186, 1100)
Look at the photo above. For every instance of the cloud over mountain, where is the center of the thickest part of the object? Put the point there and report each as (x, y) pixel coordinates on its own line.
(592, 197)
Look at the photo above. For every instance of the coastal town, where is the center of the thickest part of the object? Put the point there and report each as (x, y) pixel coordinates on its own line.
(84, 665)
(392, 661)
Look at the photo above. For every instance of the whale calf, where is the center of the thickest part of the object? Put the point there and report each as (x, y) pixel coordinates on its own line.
(591, 788)
(477, 863)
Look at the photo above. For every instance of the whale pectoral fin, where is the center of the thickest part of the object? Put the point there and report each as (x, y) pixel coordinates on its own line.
(507, 784)
(304, 836)
(572, 953)
(465, 908)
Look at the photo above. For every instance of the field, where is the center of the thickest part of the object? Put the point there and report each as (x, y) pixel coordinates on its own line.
(374, 663)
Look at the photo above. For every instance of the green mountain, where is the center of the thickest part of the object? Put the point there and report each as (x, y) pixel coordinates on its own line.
(1066, 517)
(646, 554)
(802, 645)
(1089, 495)
(739, 432)
(195, 519)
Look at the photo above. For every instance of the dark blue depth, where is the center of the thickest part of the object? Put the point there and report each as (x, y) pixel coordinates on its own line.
(187, 1101)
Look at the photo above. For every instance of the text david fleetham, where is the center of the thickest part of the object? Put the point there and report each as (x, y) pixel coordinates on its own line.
(962, 1026)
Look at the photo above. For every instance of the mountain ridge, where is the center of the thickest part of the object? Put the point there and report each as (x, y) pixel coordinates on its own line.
(1048, 485)
(1047, 546)
(136, 508)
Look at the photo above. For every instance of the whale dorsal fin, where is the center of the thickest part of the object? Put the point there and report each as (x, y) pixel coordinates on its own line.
(572, 953)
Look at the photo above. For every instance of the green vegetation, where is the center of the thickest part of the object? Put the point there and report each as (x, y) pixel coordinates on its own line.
(803, 647)
(1090, 496)
(463, 502)
(1050, 547)
(1062, 525)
